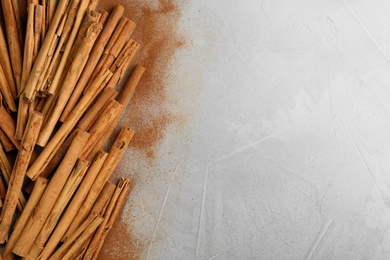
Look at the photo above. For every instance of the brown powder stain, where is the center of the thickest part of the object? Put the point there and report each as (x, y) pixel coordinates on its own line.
(156, 32)
(148, 112)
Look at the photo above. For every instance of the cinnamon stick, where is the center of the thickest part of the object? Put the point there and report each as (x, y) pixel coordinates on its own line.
(49, 197)
(109, 215)
(18, 172)
(39, 188)
(74, 205)
(85, 230)
(70, 81)
(100, 126)
(6, 91)
(6, 170)
(123, 98)
(69, 44)
(29, 45)
(5, 63)
(114, 155)
(11, 15)
(122, 62)
(55, 143)
(93, 60)
(7, 124)
(39, 64)
(67, 192)
(6, 142)
(96, 110)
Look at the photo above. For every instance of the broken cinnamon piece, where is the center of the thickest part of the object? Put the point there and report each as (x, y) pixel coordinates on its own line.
(7, 124)
(6, 91)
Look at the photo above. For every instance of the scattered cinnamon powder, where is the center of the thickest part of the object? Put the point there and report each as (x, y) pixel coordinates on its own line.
(156, 32)
(148, 112)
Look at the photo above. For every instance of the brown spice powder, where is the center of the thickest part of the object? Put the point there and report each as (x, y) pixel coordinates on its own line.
(147, 112)
(156, 32)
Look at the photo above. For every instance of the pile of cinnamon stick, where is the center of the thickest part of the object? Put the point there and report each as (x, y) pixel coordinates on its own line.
(59, 104)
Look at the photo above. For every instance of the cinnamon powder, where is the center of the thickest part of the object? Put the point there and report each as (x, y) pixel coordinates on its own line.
(147, 112)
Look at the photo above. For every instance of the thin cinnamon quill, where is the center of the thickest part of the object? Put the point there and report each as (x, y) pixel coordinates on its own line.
(49, 197)
(18, 172)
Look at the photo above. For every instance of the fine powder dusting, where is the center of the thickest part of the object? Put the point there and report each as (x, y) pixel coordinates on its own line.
(147, 112)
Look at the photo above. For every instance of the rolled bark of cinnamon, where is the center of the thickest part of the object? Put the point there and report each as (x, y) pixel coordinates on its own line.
(97, 108)
(70, 81)
(76, 26)
(112, 219)
(39, 188)
(114, 155)
(85, 230)
(70, 186)
(122, 62)
(124, 97)
(39, 64)
(6, 170)
(55, 143)
(7, 124)
(14, 38)
(5, 63)
(100, 126)
(6, 142)
(116, 198)
(6, 91)
(94, 57)
(18, 173)
(49, 197)
(74, 205)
